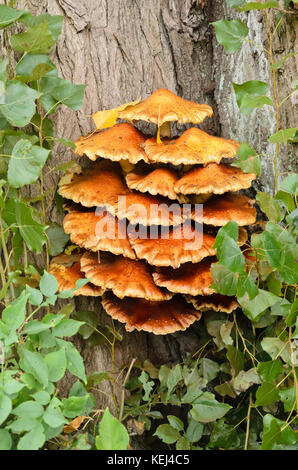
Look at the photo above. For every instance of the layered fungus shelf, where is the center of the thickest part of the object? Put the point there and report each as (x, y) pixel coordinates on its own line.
(133, 215)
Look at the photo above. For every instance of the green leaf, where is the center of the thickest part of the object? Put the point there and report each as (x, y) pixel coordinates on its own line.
(246, 285)
(3, 71)
(274, 250)
(283, 136)
(194, 431)
(208, 369)
(230, 34)
(56, 363)
(259, 6)
(63, 91)
(75, 363)
(236, 358)
(37, 40)
(290, 184)
(19, 106)
(28, 409)
(275, 347)
(248, 160)
(54, 22)
(288, 397)
(112, 434)
(255, 307)
(53, 416)
(277, 65)
(174, 377)
(229, 254)
(74, 406)
(57, 239)
(35, 364)
(5, 406)
(206, 411)
(266, 394)
(223, 436)
(48, 284)
(276, 432)
(175, 422)
(31, 231)
(183, 444)
(26, 163)
(270, 206)
(249, 103)
(95, 378)
(34, 295)
(147, 385)
(5, 438)
(224, 280)
(252, 88)
(167, 433)
(30, 63)
(32, 440)
(67, 328)
(14, 315)
(40, 71)
(42, 397)
(270, 370)
(286, 199)
(9, 15)
(245, 379)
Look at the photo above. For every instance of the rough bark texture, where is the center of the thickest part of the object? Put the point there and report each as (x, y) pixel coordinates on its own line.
(125, 49)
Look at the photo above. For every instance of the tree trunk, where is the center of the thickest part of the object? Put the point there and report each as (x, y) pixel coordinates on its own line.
(126, 49)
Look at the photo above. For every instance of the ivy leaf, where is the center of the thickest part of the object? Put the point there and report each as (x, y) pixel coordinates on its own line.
(223, 436)
(67, 327)
(224, 280)
(19, 106)
(246, 285)
(249, 103)
(274, 250)
(26, 163)
(62, 91)
(9, 15)
(230, 34)
(270, 206)
(259, 6)
(290, 184)
(5, 406)
(288, 397)
(276, 432)
(56, 363)
(31, 62)
(5, 438)
(147, 385)
(275, 347)
(283, 136)
(32, 440)
(75, 363)
(175, 422)
(54, 22)
(266, 394)
(48, 284)
(254, 308)
(167, 434)
(174, 377)
(208, 369)
(251, 88)
(28, 409)
(36, 40)
(34, 363)
(286, 199)
(74, 406)
(194, 431)
(112, 434)
(57, 239)
(248, 160)
(208, 410)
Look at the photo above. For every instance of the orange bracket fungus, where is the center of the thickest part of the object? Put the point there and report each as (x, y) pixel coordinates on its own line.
(145, 213)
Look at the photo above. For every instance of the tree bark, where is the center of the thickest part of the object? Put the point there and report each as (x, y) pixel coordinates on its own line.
(126, 49)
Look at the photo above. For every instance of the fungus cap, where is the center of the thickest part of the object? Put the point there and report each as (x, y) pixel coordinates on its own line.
(219, 210)
(159, 181)
(99, 185)
(193, 147)
(191, 279)
(67, 271)
(216, 302)
(215, 179)
(125, 277)
(121, 142)
(98, 231)
(164, 106)
(159, 318)
(179, 245)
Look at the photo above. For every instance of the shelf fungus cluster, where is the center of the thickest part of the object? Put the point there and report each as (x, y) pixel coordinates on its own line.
(144, 214)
